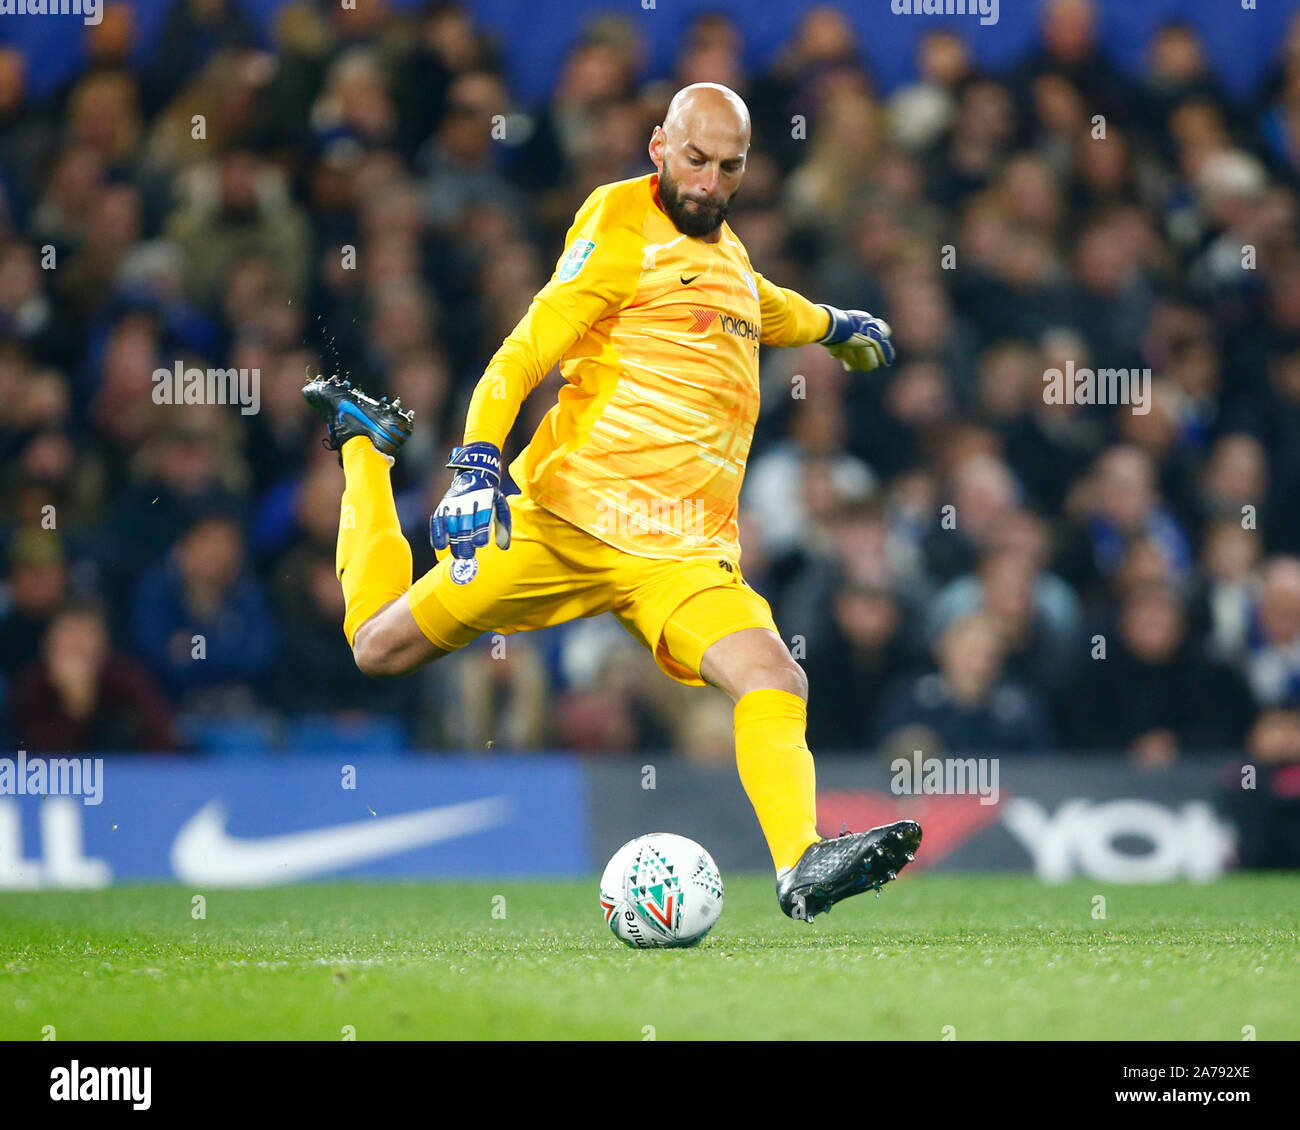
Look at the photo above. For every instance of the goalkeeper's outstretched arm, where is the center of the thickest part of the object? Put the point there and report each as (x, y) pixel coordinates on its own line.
(596, 273)
(475, 510)
(788, 317)
(533, 348)
(852, 336)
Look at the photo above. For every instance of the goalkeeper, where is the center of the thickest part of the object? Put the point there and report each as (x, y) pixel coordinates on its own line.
(631, 483)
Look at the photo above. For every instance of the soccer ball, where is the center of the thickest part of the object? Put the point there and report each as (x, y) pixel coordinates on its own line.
(661, 890)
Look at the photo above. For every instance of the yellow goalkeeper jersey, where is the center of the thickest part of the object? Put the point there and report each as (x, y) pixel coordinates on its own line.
(657, 337)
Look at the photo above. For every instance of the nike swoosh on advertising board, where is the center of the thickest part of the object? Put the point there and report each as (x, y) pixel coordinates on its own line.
(204, 852)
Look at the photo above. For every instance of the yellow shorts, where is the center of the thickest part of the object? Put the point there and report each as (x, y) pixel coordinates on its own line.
(554, 572)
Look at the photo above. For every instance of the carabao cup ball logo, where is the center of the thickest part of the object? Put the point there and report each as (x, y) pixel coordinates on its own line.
(655, 891)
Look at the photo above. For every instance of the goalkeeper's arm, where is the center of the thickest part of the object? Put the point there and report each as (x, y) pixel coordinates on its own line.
(853, 336)
(533, 348)
(474, 510)
(858, 340)
(597, 272)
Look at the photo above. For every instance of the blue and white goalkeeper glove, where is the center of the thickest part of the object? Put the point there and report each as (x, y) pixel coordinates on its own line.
(474, 509)
(859, 341)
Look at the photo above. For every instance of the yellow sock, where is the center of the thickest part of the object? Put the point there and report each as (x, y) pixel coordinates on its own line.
(776, 769)
(374, 560)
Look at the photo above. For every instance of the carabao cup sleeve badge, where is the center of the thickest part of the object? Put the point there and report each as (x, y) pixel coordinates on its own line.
(575, 259)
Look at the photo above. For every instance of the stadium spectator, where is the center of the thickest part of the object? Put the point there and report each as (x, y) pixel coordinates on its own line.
(1071, 48)
(1234, 485)
(850, 662)
(1116, 504)
(26, 134)
(617, 707)
(27, 313)
(1111, 300)
(857, 550)
(1176, 71)
(35, 590)
(1272, 414)
(1037, 614)
(81, 695)
(982, 134)
(312, 676)
(1273, 658)
(985, 497)
(920, 113)
(1265, 806)
(501, 687)
(460, 163)
(777, 489)
(240, 207)
(202, 621)
(564, 130)
(1223, 604)
(195, 30)
(188, 466)
(968, 705)
(823, 46)
(281, 431)
(1151, 693)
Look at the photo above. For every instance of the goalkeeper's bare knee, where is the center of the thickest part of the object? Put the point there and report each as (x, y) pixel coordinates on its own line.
(390, 644)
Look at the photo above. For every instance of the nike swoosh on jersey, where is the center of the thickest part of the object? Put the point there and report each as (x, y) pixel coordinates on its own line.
(204, 852)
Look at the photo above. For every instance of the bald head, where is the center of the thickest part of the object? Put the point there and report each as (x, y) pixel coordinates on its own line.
(700, 153)
(708, 107)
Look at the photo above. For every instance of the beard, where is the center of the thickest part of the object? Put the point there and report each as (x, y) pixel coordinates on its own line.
(691, 217)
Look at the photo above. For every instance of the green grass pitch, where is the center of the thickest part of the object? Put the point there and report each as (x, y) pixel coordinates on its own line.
(977, 957)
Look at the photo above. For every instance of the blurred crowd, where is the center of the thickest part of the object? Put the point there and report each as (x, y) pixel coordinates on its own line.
(959, 564)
